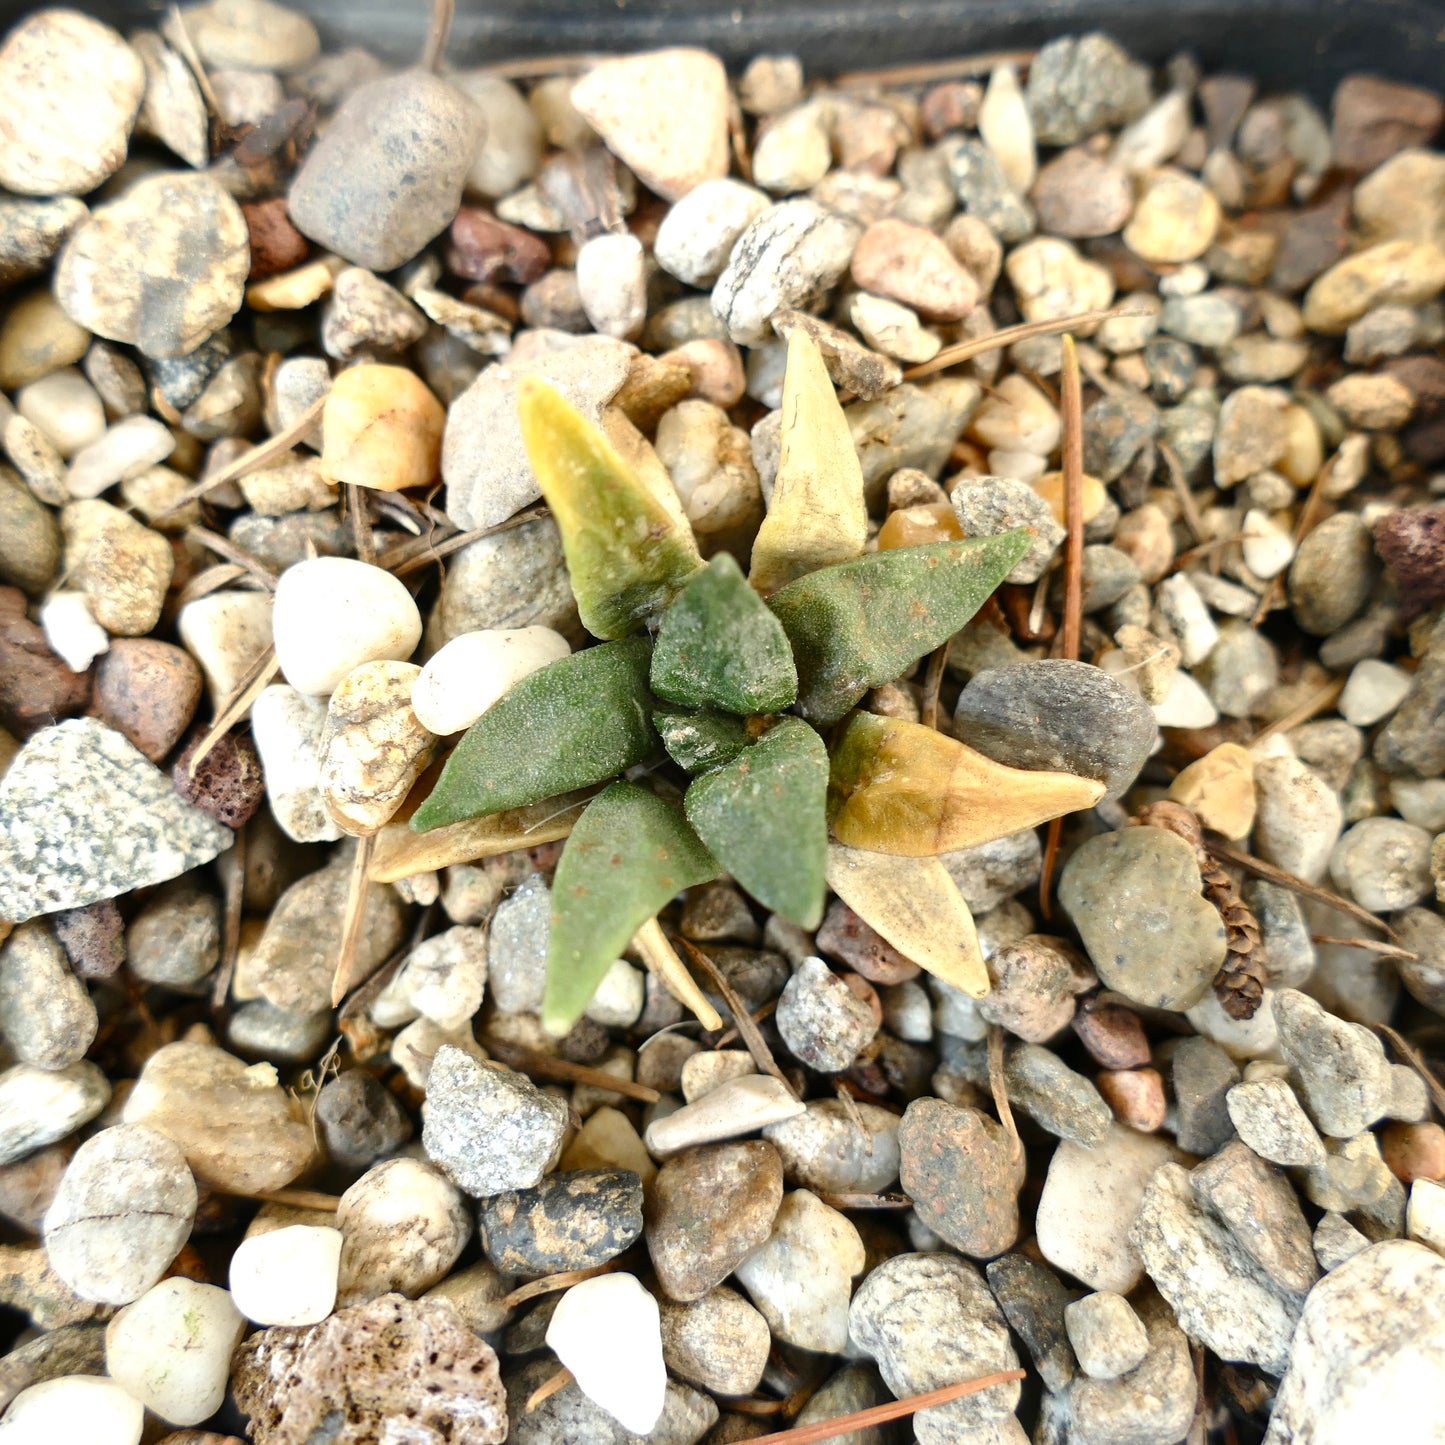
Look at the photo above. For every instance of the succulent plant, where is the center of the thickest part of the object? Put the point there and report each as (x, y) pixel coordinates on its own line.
(727, 705)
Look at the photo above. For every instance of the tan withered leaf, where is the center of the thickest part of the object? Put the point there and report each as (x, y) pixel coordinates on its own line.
(817, 515)
(901, 788)
(917, 907)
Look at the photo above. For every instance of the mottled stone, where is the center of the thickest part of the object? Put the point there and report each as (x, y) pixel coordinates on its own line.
(568, 1221)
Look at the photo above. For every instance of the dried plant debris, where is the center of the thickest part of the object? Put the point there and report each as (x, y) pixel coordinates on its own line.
(707, 758)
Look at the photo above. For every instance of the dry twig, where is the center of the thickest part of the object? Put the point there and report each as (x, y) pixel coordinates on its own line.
(549, 1387)
(248, 688)
(353, 919)
(1024, 331)
(1271, 874)
(551, 1283)
(535, 1062)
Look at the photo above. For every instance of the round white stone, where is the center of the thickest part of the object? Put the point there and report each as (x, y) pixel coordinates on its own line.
(619, 997)
(225, 633)
(608, 1332)
(1185, 705)
(172, 1349)
(64, 405)
(477, 669)
(1268, 547)
(129, 448)
(71, 630)
(286, 726)
(612, 283)
(74, 1407)
(1374, 691)
(287, 1276)
(332, 614)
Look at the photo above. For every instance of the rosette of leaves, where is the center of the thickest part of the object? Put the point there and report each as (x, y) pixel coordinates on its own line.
(705, 712)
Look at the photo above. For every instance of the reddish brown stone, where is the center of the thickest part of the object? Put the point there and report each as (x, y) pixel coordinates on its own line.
(1311, 241)
(953, 105)
(845, 937)
(1225, 99)
(36, 687)
(93, 938)
(1411, 543)
(486, 249)
(1414, 1151)
(1375, 118)
(1112, 1034)
(228, 784)
(149, 691)
(276, 245)
(1136, 1096)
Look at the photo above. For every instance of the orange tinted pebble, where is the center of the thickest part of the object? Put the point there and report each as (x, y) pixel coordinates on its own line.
(1050, 487)
(1414, 1151)
(1136, 1096)
(928, 522)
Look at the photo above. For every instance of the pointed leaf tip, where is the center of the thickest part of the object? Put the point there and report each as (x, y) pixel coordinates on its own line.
(764, 818)
(626, 554)
(629, 854)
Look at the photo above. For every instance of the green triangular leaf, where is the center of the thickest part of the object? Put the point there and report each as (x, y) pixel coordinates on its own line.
(719, 646)
(577, 721)
(861, 624)
(629, 854)
(626, 554)
(764, 817)
(698, 741)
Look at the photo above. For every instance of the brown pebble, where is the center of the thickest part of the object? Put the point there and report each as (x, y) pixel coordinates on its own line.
(1112, 1034)
(1079, 194)
(1136, 1096)
(950, 106)
(1411, 543)
(93, 938)
(1311, 241)
(486, 249)
(228, 784)
(845, 937)
(1375, 118)
(149, 691)
(36, 687)
(910, 264)
(1414, 1151)
(276, 245)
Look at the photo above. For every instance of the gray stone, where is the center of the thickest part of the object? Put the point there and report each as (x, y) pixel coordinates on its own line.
(517, 947)
(1153, 1402)
(1041, 1085)
(789, 256)
(32, 231)
(1422, 931)
(994, 872)
(1116, 429)
(569, 1417)
(984, 192)
(84, 816)
(1079, 85)
(1034, 1299)
(175, 939)
(121, 1214)
(1208, 320)
(1368, 1353)
(929, 1320)
(364, 314)
(29, 537)
(821, 1020)
(47, 1016)
(1343, 1074)
(1203, 1077)
(1034, 984)
(1268, 1116)
(855, 1387)
(360, 1119)
(1332, 573)
(517, 578)
(1413, 740)
(989, 506)
(1241, 672)
(576, 1220)
(1383, 864)
(1221, 1296)
(1097, 727)
(719, 1342)
(40, 1106)
(489, 1129)
(1336, 1240)
(386, 175)
(911, 426)
(1109, 1339)
(825, 1150)
(1135, 897)
(1289, 951)
(279, 1035)
(484, 461)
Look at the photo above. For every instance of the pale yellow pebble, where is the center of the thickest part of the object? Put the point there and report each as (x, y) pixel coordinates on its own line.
(381, 428)
(1050, 487)
(294, 289)
(1219, 790)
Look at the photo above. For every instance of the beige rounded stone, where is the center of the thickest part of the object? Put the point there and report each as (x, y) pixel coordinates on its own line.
(381, 428)
(1175, 219)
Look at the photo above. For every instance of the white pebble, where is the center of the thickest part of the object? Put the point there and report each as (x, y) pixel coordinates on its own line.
(172, 1349)
(471, 672)
(612, 282)
(1374, 691)
(619, 997)
(74, 1407)
(1267, 546)
(64, 405)
(226, 632)
(129, 448)
(1185, 705)
(697, 235)
(1420, 801)
(740, 1106)
(1007, 129)
(71, 630)
(332, 614)
(286, 726)
(608, 1332)
(287, 1276)
(1425, 1214)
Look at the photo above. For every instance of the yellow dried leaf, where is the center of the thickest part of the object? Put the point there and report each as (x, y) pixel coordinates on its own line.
(817, 515)
(916, 906)
(1219, 790)
(902, 788)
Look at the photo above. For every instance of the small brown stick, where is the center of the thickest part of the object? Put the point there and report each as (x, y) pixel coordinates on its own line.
(1411, 1056)
(1187, 505)
(443, 12)
(1271, 874)
(251, 461)
(224, 547)
(731, 1036)
(548, 1388)
(297, 1199)
(536, 1062)
(251, 685)
(866, 1201)
(882, 1414)
(551, 1283)
(353, 919)
(358, 515)
(1327, 696)
(751, 1034)
(962, 67)
(1370, 945)
(418, 552)
(1024, 331)
(230, 923)
(932, 682)
(999, 1089)
(1071, 397)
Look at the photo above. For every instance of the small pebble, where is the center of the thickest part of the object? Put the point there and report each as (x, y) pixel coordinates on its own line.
(719, 1342)
(1109, 1339)
(471, 672)
(1340, 1066)
(287, 1276)
(821, 1020)
(104, 1413)
(1268, 1117)
(1383, 864)
(737, 1107)
(574, 1220)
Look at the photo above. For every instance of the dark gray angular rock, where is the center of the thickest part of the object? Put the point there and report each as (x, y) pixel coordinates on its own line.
(1081, 84)
(1203, 1076)
(568, 1221)
(360, 1119)
(1033, 1299)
